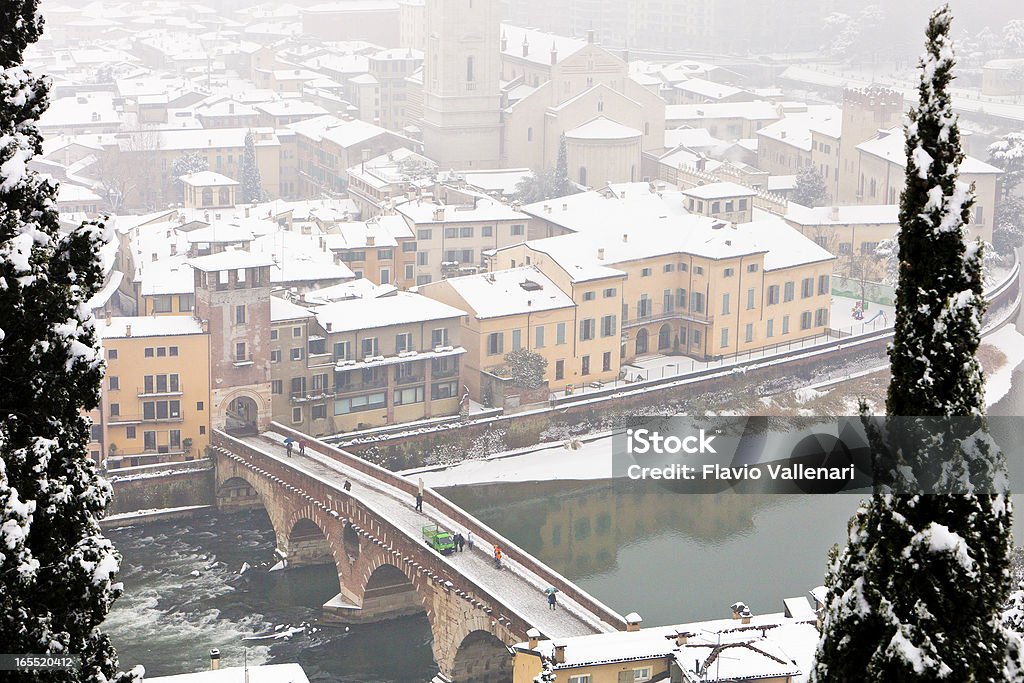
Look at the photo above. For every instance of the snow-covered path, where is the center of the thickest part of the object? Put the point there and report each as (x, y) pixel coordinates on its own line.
(519, 589)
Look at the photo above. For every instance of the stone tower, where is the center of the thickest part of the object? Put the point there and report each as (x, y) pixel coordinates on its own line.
(461, 92)
(865, 112)
(233, 302)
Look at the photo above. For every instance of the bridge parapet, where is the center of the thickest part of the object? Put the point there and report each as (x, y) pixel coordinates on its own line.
(480, 530)
(401, 549)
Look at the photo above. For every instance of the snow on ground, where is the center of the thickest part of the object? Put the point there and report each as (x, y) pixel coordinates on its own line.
(1011, 342)
(545, 462)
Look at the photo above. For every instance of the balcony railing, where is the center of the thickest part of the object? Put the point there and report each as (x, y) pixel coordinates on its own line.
(158, 391)
(409, 379)
(668, 315)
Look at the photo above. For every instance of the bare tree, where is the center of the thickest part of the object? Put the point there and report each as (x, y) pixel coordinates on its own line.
(130, 172)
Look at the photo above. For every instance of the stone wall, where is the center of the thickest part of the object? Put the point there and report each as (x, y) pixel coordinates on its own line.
(174, 488)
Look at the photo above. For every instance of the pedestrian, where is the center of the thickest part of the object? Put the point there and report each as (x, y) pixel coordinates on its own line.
(459, 540)
(497, 556)
(469, 539)
(302, 446)
(419, 502)
(551, 600)
(288, 447)
(348, 485)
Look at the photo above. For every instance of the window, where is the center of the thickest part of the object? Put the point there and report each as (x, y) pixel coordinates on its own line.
(369, 347)
(681, 299)
(357, 403)
(750, 298)
(743, 207)
(698, 270)
(752, 268)
(683, 267)
(403, 342)
(424, 234)
(609, 293)
(469, 69)
(821, 317)
(161, 304)
(538, 339)
(404, 397)
(487, 231)
(408, 271)
(805, 320)
(788, 291)
(421, 259)
(273, 335)
(748, 333)
(129, 431)
(728, 272)
(149, 441)
(439, 337)
(112, 353)
(979, 214)
(115, 410)
(298, 385)
(770, 327)
(296, 415)
(559, 369)
(668, 268)
(175, 439)
(443, 390)
(275, 356)
(385, 254)
(560, 333)
(697, 302)
(161, 351)
(608, 326)
(589, 296)
(824, 284)
(773, 295)
(725, 304)
(296, 332)
(466, 232)
(517, 340)
(643, 674)
(495, 343)
(385, 276)
(115, 383)
(276, 386)
(646, 272)
(297, 353)
(585, 365)
(148, 352)
(725, 337)
(785, 324)
(583, 678)
(240, 354)
(807, 287)
(587, 329)
(451, 233)
(408, 246)
(606, 361)
(319, 411)
(518, 229)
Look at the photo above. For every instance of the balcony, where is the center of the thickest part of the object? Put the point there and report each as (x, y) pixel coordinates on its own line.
(682, 315)
(441, 373)
(409, 379)
(145, 392)
(242, 361)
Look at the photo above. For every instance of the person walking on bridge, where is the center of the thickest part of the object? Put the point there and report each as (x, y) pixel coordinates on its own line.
(469, 539)
(419, 496)
(497, 556)
(302, 446)
(288, 447)
(459, 541)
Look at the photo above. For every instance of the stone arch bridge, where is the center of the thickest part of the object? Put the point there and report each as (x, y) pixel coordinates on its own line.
(371, 533)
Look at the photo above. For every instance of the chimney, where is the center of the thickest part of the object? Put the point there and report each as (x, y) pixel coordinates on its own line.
(834, 213)
(108, 317)
(600, 253)
(625, 237)
(231, 107)
(560, 653)
(741, 611)
(526, 47)
(534, 636)
(127, 330)
(214, 659)
(783, 135)
(682, 637)
(439, 214)
(633, 621)
(247, 212)
(554, 54)
(370, 240)
(565, 206)
(591, 36)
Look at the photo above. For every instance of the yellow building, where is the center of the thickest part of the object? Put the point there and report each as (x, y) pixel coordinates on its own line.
(156, 394)
(375, 358)
(850, 232)
(683, 283)
(521, 308)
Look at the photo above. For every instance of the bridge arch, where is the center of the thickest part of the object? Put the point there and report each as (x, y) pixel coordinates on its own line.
(481, 657)
(387, 592)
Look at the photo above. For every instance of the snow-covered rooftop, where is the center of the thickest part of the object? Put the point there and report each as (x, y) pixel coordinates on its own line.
(148, 326)
(486, 209)
(709, 89)
(401, 308)
(207, 179)
(719, 191)
(540, 44)
(507, 292)
(890, 145)
(282, 309)
(758, 110)
(871, 214)
(795, 129)
(231, 259)
(602, 128)
(333, 129)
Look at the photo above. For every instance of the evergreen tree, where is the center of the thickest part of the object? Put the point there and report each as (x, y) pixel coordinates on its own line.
(562, 167)
(57, 569)
(186, 164)
(252, 184)
(527, 368)
(916, 594)
(810, 187)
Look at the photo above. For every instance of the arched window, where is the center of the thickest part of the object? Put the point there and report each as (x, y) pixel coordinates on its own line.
(583, 175)
(664, 337)
(641, 341)
(207, 196)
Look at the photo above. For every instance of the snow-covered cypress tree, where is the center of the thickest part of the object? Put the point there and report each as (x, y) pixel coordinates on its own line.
(252, 184)
(810, 187)
(562, 166)
(56, 569)
(916, 594)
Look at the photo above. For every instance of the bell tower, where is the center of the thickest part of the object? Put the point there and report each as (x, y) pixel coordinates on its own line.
(461, 91)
